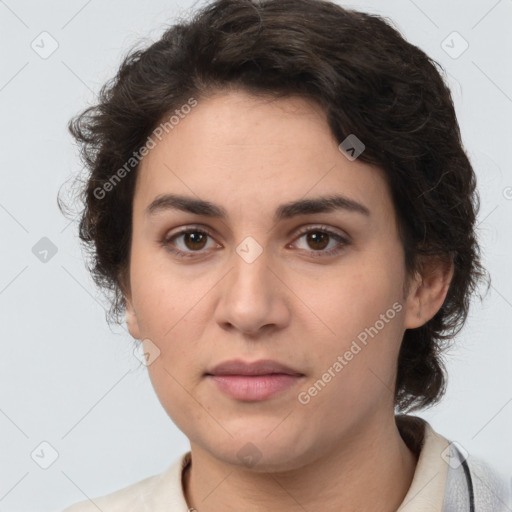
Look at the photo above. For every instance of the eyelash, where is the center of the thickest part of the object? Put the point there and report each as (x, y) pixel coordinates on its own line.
(166, 242)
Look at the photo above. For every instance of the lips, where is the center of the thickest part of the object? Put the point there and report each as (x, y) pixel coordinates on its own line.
(253, 382)
(262, 367)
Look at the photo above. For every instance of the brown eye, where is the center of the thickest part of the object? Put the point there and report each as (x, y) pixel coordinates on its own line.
(188, 243)
(194, 240)
(318, 240)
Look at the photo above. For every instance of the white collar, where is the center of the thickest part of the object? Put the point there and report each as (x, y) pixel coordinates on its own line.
(164, 492)
(426, 493)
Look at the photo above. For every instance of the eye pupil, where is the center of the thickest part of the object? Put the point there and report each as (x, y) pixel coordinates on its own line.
(195, 238)
(316, 237)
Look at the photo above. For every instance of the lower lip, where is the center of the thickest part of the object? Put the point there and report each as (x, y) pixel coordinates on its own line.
(254, 388)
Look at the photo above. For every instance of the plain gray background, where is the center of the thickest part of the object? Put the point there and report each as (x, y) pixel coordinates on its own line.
(70, 381)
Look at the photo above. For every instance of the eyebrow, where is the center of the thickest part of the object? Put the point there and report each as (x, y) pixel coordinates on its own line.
(195, 206)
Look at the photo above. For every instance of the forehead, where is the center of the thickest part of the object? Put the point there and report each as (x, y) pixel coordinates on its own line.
(249, 153)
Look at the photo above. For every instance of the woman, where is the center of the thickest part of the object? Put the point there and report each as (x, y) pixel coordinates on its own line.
(280, 200)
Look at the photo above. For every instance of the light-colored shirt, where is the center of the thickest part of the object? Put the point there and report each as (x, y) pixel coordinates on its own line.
(439, 484)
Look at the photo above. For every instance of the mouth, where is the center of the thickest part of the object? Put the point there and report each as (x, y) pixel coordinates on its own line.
(254, 381)
(254, 388)
(261, 367)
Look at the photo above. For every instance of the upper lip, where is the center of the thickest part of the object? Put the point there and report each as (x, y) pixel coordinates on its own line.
(262, 367)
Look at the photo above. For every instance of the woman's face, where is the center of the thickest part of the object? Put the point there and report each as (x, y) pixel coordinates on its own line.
(266, 282)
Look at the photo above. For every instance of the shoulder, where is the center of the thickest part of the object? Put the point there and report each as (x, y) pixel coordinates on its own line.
(447, 475)
(153, 493)
(492, 490)
(470, 477)
(130, 496)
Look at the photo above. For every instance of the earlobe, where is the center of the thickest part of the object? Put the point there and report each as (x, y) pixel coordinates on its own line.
(131, 319)
(413, 310)
(428, 291)
(130, 314)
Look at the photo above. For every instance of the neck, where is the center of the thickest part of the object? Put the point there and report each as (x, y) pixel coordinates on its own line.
(371, 470)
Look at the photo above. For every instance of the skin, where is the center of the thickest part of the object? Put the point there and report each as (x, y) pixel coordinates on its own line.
(341, 451)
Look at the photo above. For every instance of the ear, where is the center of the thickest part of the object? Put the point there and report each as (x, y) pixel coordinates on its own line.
(131, 316)
(427, 290)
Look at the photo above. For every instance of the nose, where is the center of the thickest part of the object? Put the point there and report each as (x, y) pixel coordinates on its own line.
(253, 298)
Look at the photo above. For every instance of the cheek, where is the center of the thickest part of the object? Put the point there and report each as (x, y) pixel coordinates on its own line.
(353, 296)
(173, 390)
(361, 308)
(172, 315)
(162, 298)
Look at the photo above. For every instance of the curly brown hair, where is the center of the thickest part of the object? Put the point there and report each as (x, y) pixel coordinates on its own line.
(369, 81)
